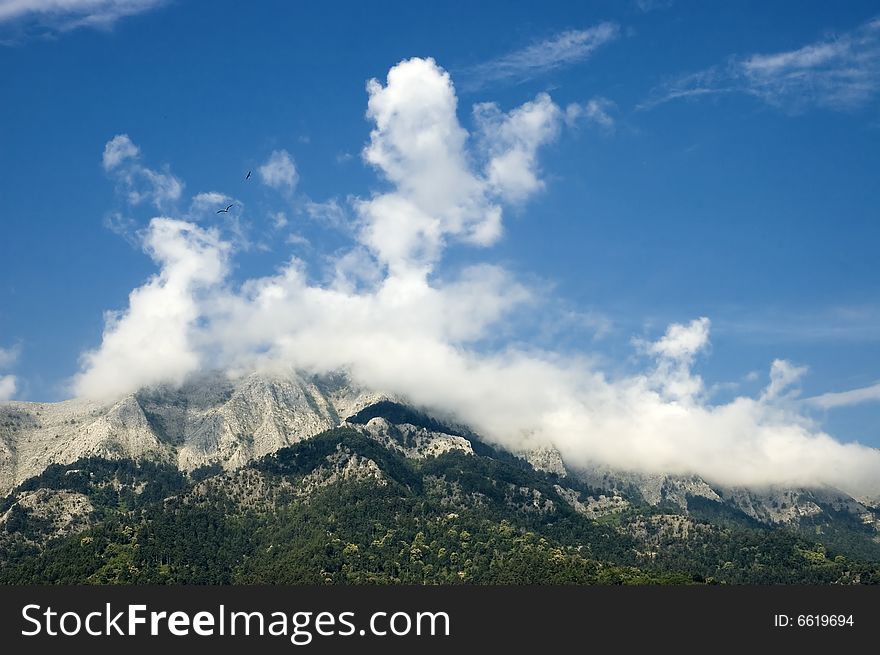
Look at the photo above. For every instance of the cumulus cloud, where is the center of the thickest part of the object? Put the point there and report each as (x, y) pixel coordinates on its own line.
(783, 375)
(840, 72)
(420, 147)
(394, 323)
(675, 352)
(513, 140)
(279, 171)
(563, 49)
(682, 342)
(150, 341)
(135, 182)
(117, 150)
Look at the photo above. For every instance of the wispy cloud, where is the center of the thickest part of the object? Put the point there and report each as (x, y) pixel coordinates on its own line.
(124, 226)
(8, 383)
(145, 190)
(278, 219)
(597, 111)
(8, 356)
(330, 214)
(839, 72)
(854, 324)
(846, 398)
(139, 183)
(646, 6)
(52, 16)
(563, 49)
(8, 387)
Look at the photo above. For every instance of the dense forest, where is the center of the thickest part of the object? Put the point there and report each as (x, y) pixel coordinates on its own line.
(342, 508)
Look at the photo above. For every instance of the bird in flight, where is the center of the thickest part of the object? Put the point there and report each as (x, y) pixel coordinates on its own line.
(224, 211)
(248, 176)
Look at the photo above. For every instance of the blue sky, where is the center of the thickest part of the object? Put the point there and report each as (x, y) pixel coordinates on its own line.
(719, 160)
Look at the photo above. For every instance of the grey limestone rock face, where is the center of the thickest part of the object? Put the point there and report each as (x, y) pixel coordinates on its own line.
(208, 420)
(413, 441)
(213, 419)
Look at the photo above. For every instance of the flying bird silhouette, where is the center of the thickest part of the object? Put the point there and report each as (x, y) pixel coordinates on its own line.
(248, 176)
(224, 211)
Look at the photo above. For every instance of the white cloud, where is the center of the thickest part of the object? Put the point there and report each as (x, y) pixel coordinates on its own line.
(297, 240)
(682, 342)
(117, 150)
(136, 182)
(207, 203)
(210, 199)
(565, 322)
(597, 111)
(162, 189)
(854, 324)
(783, 375)
(846, 398)
(9, 356)
(560, 50)
(279, 171)
(66, 15)
(646, 6)
(8, 387)
(675, 352)
(421, 148)
(709, 82)
(8, 383)
(840, 72)
(355, 270)
(512, 141)
(395, 324)
(328, 213)
(151, 340)
(123, 226)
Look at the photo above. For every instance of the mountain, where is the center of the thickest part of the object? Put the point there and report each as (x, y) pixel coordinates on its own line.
(209, 420)
(293, 478)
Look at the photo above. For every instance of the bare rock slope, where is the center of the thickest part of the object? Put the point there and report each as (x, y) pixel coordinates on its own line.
(210, 420)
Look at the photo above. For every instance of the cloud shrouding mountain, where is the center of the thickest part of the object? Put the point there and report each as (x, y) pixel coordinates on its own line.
(394, 326)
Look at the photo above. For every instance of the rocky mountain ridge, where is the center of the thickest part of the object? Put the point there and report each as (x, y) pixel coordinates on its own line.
(215, 421)
(209, 420)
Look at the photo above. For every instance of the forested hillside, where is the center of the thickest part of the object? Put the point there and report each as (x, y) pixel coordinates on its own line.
(343, 508)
